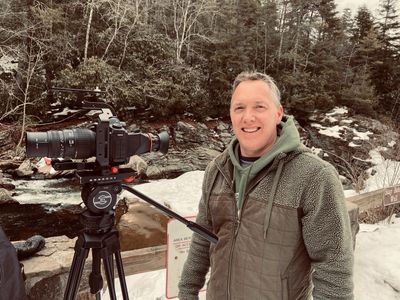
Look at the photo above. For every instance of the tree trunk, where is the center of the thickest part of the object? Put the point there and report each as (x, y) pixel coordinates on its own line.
(89, 24)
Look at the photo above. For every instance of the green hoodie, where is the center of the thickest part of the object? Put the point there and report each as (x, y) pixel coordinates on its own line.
(288, 139)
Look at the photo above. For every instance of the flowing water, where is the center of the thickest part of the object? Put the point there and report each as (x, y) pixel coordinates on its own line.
(52, 191)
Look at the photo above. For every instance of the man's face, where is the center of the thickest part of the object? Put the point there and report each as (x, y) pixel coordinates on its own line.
(254, 117)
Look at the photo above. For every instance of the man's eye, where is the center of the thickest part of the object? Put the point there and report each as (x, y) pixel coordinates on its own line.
(239, 108)
(260, 107)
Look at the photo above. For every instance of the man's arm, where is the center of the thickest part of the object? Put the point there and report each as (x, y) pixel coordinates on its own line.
(327, 236)
(198, 260)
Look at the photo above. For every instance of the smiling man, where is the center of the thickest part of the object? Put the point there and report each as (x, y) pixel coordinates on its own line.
(277, 209)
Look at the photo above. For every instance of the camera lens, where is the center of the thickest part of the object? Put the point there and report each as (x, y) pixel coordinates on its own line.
(69, 143)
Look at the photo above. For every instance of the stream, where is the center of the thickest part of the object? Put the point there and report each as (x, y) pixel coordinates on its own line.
(53, 191)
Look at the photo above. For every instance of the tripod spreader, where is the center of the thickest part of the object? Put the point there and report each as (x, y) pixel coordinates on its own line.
(208, 235)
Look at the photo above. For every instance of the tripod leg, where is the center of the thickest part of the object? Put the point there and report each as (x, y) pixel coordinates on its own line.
(75, 273)
(95, 278)
(121, 275)
(109, 276)
(111, 261)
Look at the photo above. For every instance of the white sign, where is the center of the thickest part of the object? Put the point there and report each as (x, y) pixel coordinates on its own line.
(178, 243)
(391, 195)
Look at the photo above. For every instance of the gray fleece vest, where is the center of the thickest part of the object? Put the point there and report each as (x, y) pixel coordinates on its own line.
(250, 262)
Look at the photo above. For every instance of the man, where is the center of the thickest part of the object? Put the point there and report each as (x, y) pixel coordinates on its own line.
(277, 209)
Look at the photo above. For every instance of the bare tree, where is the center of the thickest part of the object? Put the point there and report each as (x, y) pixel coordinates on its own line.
(91, 5)
(350, 167)
(186, 14)
(34, 58)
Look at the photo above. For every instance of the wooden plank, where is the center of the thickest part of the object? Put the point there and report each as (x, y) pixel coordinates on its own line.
(144, 260)
(368, 200)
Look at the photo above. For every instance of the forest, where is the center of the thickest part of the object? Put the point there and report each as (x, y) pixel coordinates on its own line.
(159, 59)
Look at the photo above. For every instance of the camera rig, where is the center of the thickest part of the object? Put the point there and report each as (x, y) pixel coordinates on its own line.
(112, 145)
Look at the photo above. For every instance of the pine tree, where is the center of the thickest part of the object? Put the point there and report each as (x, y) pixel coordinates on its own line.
(386, 69)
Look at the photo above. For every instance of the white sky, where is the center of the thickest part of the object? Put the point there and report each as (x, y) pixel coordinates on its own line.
(354, 4)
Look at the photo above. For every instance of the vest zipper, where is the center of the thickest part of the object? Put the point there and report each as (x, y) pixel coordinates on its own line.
(235, 231)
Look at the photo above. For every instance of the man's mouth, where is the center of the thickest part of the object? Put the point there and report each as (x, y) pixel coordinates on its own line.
(251, 130)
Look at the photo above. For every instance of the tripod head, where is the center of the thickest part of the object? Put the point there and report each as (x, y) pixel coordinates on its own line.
(99, 194)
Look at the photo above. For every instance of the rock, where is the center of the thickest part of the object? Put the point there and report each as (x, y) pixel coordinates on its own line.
(29, 247)
(9, 165)
(185, 127)
(44, 170)
(6, 184)
(142, 226)
(25, 169)
(5, 198)
(154, 172)
(223, 126)
(192, 159)
(21, 221)
(47, 271)
(136, 163)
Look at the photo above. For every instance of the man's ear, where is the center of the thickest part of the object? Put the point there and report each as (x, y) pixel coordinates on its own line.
(279, 114)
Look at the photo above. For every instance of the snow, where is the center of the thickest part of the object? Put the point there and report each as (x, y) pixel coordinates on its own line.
(180, 194)
(334, 131)
(338, 111)
(351, 144)
(7, 64)
(377, 264)
(361, 135)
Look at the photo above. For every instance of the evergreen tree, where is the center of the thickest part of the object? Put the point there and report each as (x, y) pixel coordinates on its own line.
(385, 72)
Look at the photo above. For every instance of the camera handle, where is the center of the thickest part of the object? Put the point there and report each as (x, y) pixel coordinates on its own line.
(99, 193)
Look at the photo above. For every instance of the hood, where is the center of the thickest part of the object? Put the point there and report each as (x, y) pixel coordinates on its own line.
(288, 140)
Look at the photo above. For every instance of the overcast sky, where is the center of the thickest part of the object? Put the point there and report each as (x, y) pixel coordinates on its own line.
(354, 4)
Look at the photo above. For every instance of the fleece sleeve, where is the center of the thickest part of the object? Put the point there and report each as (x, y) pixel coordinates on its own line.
(198, 260)
(327, 236)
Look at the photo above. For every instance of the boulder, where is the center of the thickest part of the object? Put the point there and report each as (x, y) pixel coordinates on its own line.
(25, 169)
(5, 197)
(47, 272)
(21, 221)
(6, 184)
(136, 163)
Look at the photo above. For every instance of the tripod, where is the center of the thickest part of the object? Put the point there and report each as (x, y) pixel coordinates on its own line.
(102, 238)
(99, 194)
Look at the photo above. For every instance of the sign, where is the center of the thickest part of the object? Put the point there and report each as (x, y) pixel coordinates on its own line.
(391, 195)
(178, 243)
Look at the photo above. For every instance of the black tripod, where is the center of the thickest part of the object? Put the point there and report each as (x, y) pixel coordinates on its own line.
(105, 246)
(101, 237)
(99, 194)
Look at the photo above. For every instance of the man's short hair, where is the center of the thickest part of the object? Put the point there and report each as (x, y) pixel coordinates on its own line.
(250, 75)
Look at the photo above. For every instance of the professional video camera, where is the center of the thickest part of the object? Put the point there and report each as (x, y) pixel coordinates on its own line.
(112, 145)
(108, 140)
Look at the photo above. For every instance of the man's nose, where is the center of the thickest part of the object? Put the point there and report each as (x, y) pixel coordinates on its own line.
(248, 115)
